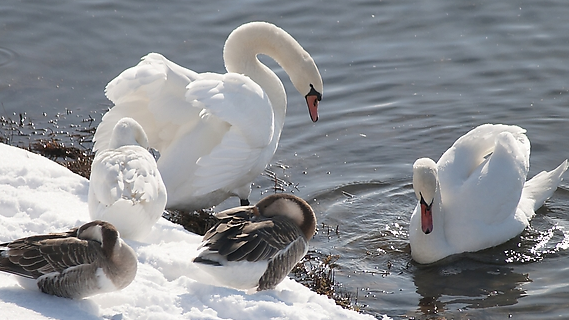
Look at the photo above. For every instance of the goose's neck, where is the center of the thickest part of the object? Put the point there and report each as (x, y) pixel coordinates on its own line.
(240, 56)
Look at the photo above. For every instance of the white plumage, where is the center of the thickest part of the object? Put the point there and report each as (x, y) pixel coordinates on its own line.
(476, 196)
(125, 187)
(215, 132)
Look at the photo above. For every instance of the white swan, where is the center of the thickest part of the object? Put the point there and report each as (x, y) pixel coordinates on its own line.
(476, 196)
(257, 246)
(79, 263)
(125, 186)
(215, 132)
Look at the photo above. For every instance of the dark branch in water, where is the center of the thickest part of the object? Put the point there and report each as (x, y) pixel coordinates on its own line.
(279, 184)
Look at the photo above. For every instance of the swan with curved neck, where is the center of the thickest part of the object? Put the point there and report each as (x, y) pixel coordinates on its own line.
(215, 132)
(249, 40)
(476, 196)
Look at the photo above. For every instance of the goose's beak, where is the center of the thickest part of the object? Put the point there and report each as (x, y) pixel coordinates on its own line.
(312, 100)
(426, 216)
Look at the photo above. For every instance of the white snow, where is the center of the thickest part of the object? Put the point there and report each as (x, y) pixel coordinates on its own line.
(38, 196)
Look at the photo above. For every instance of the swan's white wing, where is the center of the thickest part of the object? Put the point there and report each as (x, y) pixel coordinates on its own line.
(152, 93)
(540, 188)
(492, 192)
(469, 152)
(117, 174)
(237, 100)
(215, 133)
(480, 203)
(248, 145)
(159, 80)
(230, 165)
(128, 173)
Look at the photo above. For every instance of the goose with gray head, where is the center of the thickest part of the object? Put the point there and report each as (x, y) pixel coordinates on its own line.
(476, 196)
(215, 132)
(125, 187)
(257, 246)
(79, 263)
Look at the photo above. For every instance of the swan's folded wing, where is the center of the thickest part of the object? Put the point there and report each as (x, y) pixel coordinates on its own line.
(493, 190)
(469, 152)
(246, 148)
(229, 163)
(141, 178)
(105, 185)
(152, 93)
(237, 100)
(127, 173)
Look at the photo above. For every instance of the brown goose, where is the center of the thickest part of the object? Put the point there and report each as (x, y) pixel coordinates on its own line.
(81, 262)
(257, 246)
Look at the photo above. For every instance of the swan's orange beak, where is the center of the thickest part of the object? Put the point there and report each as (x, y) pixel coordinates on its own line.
(312, 99)
(426, 216)
(312, 102)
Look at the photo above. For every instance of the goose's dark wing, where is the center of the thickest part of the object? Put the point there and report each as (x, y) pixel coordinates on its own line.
(282, 263)
(241, 236)
(35, 256)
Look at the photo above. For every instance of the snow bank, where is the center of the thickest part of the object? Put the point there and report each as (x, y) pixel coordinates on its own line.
(38, 195)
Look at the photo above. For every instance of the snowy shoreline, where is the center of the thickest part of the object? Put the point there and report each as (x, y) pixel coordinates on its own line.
(38, 195)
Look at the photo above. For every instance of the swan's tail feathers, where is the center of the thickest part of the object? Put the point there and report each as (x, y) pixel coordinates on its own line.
(539, 188)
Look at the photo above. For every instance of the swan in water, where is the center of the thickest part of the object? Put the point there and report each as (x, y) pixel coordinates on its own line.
(79, 263)
(215, 132)
(257, 246)
(476, 196)
(125, 186)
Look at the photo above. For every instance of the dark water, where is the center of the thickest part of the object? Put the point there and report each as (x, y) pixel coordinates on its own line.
(402, 80)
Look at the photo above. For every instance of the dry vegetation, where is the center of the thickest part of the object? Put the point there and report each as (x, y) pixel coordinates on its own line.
(198, 222)
(316, 271)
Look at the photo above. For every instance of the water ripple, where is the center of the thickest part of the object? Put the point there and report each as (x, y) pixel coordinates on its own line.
(7, 56)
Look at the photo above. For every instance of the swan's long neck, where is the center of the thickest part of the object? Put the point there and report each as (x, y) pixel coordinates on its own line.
(240, 56)
(427, 248)
(439, 217)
